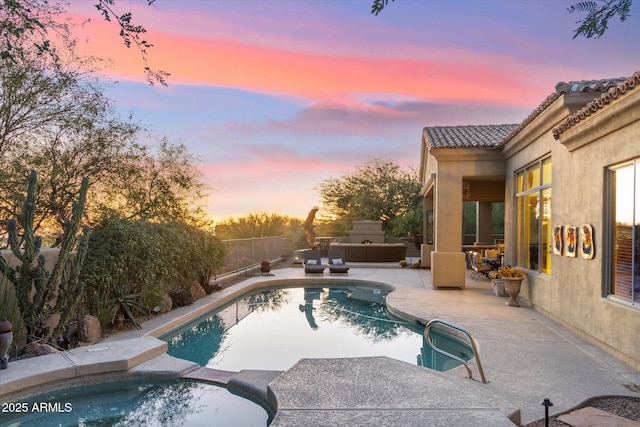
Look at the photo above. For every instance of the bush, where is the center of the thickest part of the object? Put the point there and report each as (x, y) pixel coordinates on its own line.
(153, 258)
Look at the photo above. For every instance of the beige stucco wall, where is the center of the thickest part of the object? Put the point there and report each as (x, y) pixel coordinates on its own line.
(574, 293)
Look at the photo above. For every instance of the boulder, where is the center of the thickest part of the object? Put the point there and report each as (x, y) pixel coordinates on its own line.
(89, 329)
(166, 304)
(197, 291)
(37, 349)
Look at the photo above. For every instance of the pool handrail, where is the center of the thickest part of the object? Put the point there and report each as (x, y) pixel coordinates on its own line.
(474, 346)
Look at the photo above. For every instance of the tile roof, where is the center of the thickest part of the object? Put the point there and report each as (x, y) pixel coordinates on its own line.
(562, 88)
(478, 136)
(613, 92)
(493, 136)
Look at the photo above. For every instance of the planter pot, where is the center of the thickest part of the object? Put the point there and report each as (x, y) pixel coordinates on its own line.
(498, 288)
(512, 288)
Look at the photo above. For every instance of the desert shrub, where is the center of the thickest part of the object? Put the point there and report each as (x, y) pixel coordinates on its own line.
(153, 258)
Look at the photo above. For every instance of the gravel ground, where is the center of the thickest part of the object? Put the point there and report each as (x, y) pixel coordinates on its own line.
(627, 407)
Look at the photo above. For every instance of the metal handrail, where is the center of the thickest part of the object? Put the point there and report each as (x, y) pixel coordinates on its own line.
(474, 346)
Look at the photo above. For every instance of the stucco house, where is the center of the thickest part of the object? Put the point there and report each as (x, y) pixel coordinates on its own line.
(568, 181)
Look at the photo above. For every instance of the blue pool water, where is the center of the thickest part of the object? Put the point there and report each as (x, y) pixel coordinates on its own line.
(135, 403)
(268, 330)
(273, 329)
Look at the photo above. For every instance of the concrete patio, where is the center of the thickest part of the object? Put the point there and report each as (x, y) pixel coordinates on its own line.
(526, 357)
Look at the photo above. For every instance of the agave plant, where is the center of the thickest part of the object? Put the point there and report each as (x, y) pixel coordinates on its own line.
(125, 303)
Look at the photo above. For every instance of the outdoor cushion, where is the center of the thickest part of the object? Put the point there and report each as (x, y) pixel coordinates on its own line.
(337, 261)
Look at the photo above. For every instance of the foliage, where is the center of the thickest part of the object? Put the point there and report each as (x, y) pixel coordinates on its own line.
(599, 12)
(157, 185)
(259, 224)
(39, 293)
(378, 5)
(56, 119)
(378, 190)
(153, 258)
(510, 272)
(126, 303)
(30, 25)
(409, 224)
(598, 15)
(9, 310)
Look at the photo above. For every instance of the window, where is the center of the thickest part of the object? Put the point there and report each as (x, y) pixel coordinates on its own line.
(624, 229)
(533, 216)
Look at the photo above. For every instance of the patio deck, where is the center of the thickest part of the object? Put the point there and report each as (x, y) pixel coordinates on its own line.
(526, 357)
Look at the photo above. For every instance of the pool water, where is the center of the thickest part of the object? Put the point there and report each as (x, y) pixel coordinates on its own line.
(272, 330)
(135, 403)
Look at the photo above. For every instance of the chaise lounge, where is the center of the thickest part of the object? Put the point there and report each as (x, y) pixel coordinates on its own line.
(337, 263)
(313, 262)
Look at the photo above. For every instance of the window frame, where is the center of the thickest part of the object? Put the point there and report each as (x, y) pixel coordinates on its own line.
(522, 194)
(609, 235)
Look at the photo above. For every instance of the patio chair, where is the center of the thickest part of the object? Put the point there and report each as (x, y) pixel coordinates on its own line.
(337, 263)
(478, 267)
(313, 262)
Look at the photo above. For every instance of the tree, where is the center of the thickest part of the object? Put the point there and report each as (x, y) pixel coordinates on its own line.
(260, 224)
(29, 24)
(378, 190)
(598, 15)
(158, 184)
(599, 12)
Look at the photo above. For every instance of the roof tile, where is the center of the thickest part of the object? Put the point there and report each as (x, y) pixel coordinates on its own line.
(476, 136)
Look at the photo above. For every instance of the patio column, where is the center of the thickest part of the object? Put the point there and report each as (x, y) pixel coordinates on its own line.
(483, 222)
(448, 260)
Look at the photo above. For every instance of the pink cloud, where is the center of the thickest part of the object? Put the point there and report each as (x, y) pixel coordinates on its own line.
(322, 77)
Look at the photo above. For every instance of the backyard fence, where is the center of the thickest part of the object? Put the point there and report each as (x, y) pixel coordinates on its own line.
(245, 253)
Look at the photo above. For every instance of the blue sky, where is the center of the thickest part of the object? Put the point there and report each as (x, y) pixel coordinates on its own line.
(275, 96)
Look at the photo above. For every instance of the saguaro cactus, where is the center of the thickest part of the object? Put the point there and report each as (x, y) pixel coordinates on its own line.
(36, 288)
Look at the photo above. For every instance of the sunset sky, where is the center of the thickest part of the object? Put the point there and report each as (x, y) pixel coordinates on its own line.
(274, 96)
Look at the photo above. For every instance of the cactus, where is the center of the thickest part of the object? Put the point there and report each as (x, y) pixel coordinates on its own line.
(35, 286)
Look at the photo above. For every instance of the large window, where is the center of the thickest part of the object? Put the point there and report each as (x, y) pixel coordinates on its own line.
(533, 216)
(625, 231)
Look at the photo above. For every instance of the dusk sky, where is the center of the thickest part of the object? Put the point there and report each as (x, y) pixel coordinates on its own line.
(274, 96)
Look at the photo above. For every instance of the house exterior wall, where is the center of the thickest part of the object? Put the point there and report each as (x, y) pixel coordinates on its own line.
(575, 291)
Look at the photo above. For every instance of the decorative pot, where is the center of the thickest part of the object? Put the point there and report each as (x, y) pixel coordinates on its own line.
(512, 288)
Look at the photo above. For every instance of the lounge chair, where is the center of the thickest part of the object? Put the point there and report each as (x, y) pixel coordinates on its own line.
(313, 262)
(337, 263)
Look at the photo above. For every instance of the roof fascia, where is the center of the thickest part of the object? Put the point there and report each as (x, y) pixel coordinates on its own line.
(543, 123)
(468, 154)
(618, 114)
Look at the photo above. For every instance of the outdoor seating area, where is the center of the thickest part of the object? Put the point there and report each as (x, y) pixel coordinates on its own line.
(371, 252)
(337, 262)
(313, 263)
(484, 263)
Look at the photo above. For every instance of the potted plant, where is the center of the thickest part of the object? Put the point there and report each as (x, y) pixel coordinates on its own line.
(512, 278)
(403, 263)
(265, 266)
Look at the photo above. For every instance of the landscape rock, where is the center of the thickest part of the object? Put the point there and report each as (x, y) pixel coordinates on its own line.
(197, 291)
(166, 304)
(37, 349)
(89, 329)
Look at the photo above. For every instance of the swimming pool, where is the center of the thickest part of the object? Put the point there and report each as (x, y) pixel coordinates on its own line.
(140, 402)
(273, 329)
